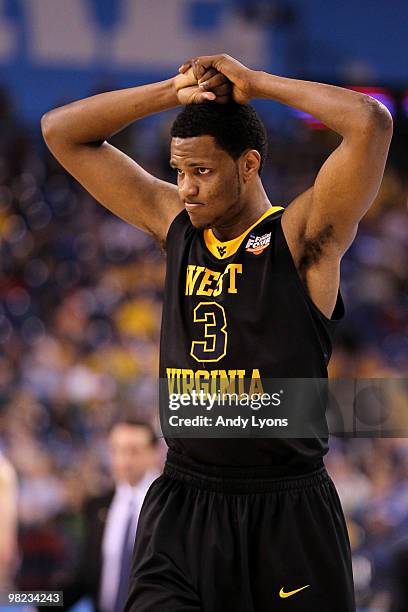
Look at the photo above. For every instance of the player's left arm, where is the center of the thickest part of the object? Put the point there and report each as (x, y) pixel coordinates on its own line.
(349, 180)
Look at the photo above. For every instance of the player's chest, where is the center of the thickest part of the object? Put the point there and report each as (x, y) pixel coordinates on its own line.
(250, 272)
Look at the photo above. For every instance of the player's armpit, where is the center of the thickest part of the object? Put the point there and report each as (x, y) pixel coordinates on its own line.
(349, 180)
(121, 185)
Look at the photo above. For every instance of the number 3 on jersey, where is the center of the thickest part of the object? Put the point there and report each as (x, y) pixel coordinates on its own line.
(213, 347)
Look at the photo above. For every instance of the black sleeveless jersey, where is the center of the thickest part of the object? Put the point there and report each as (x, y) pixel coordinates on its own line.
(241, 306)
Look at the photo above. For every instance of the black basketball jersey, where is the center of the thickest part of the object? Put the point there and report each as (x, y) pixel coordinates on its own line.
(240, 306)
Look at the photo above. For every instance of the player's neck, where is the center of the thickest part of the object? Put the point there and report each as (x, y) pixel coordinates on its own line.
(250, 209)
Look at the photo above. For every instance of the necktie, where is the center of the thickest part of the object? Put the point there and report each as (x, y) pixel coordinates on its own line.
(125, 562)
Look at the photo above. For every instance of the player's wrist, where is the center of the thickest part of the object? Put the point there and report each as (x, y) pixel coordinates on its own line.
(152, 98)
(174, 85)
(256, 82)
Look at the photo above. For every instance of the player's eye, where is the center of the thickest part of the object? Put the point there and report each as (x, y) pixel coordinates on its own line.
(204, 170)
(178, 170)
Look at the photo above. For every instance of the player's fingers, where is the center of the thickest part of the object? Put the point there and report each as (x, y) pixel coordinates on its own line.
(184, 67)
(213, 82)
(210, 73)
(209, 61)
(198, 68)
(207, 75)
(205, 96)
(193, 63)
(222, 90)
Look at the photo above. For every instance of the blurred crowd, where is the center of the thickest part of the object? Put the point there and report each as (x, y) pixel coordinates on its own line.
(80, 307)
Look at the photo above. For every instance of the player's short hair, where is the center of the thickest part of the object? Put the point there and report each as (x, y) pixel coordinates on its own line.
(235, 127)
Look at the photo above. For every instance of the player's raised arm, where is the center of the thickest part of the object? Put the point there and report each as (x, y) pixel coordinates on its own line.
(77, 136)
(350, 178)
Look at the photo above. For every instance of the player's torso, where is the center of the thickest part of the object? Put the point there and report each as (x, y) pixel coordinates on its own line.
(237, 313)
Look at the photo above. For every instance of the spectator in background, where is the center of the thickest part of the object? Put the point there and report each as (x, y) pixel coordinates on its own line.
(8, 524)
(110, 520)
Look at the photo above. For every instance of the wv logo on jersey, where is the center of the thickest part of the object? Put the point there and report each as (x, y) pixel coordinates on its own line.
(222, 250)
(257, 244)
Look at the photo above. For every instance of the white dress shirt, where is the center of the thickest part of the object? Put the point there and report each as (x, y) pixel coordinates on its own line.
(112, 542)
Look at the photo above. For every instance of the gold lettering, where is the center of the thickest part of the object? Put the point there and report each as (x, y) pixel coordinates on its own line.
(227, 381)
(193, 272)
(214, 376)
(256, 383)
(241, 379)
(173, 375)
(208, 278)
(233, 269)
(184, 380)
(187, 380)
(201, 385)
(211, 281)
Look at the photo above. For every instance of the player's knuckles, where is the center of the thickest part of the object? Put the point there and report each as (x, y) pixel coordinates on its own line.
(198, 67)
(204, 66)
(207, 62)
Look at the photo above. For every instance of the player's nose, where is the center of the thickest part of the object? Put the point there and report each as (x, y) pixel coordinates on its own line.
(188, 188)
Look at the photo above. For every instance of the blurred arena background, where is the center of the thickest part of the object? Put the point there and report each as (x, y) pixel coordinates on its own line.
(80, 291)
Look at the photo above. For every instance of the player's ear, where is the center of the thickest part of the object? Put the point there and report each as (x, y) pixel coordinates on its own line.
(251, 160)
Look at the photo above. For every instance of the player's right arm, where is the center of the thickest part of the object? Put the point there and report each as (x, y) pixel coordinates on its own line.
(77, 135)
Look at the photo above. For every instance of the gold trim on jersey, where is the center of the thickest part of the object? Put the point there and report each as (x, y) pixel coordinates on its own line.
(222, 250)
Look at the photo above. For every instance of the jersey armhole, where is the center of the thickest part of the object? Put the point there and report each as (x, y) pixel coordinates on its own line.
(178, 221)
(338, 311)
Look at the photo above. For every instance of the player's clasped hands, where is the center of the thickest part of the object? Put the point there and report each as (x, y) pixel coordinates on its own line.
(219, 78)
(189, 91)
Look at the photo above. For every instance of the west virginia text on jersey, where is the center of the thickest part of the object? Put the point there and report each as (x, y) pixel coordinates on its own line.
(203, 281)
(184, 380)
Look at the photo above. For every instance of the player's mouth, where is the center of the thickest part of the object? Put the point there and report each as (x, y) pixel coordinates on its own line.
(190, 206)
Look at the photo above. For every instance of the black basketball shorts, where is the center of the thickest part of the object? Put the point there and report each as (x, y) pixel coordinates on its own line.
(233, 539)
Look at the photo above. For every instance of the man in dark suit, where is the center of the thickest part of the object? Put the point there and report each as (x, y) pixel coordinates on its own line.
(110, 520)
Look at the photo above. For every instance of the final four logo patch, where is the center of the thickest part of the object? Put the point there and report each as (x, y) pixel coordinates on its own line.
(257, 244)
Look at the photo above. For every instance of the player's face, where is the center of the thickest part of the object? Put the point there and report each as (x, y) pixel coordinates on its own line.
(207, 179)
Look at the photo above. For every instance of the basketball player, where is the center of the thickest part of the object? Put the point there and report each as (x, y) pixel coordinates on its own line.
(237, 524)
